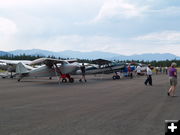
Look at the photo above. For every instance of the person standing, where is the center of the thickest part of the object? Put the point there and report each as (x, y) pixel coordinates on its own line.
(160, 69)
(157, 70)
(138, 70)
(83, 71)
(166, 70)
(149, 76)
(130, 72)
(173, 79)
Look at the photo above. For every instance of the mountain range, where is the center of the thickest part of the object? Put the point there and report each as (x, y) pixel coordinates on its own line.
(2, 53)
(93, 55)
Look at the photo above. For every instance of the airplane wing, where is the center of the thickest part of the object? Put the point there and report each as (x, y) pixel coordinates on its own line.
(10, 65)
(72, 60)
(14, 62)
(101, 61)
(48, 61)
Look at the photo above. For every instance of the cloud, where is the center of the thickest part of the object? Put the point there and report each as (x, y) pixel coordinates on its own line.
(8, 31)
(74, 42)
(119, 9)
(172, 36)
(159, 42)
(25, 3)
(164, 12)
(47, 3)
(172, 10)
(7, 27)
(52, 25)
(124, 9)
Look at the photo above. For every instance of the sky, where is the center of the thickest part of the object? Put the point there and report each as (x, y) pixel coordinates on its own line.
(120, 26)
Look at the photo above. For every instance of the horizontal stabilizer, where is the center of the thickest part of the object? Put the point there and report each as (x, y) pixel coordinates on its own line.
(21, 69)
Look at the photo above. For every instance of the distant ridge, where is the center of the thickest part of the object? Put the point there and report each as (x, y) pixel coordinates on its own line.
(149, 57)
(66, 54)
(96, 55)
(36, 52)
(2, 53)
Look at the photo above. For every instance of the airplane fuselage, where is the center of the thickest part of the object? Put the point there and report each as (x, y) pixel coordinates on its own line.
(45, 71)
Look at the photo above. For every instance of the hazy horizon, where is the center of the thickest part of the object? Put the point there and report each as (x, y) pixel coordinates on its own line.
(84, 52)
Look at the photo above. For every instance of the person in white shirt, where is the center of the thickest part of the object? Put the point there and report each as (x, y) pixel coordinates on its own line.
(138, 70)
(157, 70)
(149, 76)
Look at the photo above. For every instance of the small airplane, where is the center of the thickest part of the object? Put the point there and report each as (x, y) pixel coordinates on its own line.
(10, 66)
(50, 68)
(102, 66)
(6, 74)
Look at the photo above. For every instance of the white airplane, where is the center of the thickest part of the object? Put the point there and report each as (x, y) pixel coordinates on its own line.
(10, 66)
(50, 68)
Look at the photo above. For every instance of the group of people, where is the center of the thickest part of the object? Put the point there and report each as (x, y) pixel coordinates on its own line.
(171, 70)
(172, 78)
(160, 69)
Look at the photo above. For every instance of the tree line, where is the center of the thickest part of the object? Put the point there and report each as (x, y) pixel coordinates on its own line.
(33, 57)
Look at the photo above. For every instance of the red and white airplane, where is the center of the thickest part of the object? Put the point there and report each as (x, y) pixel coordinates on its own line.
(51, 67)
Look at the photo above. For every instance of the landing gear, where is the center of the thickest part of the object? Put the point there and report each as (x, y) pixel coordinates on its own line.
(71, 80)
(19, 78)
(65, 77)
(116, 77)
(11, 76)
(64, 80)
(131, 75)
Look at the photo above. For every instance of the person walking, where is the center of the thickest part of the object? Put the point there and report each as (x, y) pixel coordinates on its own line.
(149, 75)
(173, 79)
(83, 71)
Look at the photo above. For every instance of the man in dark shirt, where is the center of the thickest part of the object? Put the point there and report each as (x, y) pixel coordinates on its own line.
(83, 71)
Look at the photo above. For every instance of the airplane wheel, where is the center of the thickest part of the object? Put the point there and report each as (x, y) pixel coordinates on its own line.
(64, 80)
(19, 80)
(114, 77)
(118, 77)
(71, 80)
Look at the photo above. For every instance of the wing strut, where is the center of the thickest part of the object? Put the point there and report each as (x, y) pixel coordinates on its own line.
(56, 69)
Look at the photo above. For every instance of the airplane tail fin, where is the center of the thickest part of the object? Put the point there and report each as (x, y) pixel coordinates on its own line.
(21, 69)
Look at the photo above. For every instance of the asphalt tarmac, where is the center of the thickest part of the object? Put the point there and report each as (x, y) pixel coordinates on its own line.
(101, 106)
